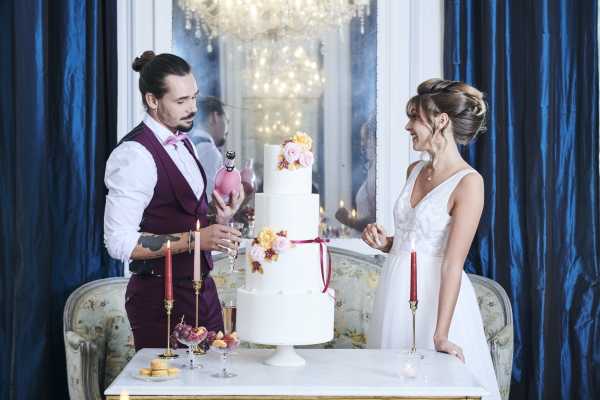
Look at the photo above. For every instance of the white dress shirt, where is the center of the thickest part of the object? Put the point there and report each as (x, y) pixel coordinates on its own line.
(209, 155)
(130, 178)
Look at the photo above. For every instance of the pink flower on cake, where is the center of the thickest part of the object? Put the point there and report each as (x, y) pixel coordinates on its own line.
(295, 153)
(281, 244)
(291, 152)
(257, 253)
(306, 158)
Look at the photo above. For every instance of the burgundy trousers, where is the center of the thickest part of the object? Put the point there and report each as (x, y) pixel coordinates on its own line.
(144, 303)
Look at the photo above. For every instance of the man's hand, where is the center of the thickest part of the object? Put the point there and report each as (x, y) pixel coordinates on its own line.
(226, 211)
(219, 237)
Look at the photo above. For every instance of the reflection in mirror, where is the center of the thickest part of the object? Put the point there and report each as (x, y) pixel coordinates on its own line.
(364, 121)
(272, 89)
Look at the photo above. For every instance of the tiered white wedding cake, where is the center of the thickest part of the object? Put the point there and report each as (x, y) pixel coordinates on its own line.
(285, 300)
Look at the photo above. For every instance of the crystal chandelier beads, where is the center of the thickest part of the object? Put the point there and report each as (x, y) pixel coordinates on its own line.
(252, 20)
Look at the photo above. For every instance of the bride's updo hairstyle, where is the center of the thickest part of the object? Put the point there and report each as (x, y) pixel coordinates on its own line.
(463, 104)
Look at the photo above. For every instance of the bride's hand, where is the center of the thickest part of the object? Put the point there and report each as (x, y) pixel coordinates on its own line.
(375, 236)
(445, 346)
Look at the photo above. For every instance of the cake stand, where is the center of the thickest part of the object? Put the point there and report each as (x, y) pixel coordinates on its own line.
(285, 356)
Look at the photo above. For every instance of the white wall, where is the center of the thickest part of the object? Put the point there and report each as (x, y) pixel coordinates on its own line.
(141, 25)
(410, 39)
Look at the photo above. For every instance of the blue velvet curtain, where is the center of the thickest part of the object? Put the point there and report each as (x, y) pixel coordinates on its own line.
(539, 237)
(57, 126)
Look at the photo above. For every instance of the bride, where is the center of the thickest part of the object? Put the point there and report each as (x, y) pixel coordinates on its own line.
(438, 210)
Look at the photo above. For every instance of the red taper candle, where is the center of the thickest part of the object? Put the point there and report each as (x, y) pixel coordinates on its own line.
(168, 273)
(413, 272)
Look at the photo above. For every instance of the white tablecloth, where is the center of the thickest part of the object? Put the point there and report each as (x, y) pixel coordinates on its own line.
(336, 372)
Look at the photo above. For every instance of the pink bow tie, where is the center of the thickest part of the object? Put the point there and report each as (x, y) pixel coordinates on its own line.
(173, 139)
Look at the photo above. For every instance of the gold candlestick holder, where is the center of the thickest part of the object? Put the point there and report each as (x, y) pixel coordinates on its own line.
(413, 308)
(197, 285)
(168, 352)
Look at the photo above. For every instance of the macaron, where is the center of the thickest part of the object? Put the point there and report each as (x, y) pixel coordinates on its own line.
(158, 364)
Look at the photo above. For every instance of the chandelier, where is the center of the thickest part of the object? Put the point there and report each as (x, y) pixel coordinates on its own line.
(282, 71)
(281, 79)
(251, 20)
(277, 120)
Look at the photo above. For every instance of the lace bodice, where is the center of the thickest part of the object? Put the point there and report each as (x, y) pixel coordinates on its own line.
(429, 222)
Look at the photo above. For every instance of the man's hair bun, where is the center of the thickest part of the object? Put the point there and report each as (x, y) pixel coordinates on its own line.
(140, 62)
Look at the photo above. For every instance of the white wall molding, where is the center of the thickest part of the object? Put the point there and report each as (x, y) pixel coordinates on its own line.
(409, 50)
(426, 46)
(142, 25)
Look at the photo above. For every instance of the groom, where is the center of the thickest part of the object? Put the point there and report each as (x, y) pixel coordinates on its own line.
(156, 192)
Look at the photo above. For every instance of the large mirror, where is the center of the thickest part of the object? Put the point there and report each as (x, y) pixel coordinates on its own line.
(325, 87)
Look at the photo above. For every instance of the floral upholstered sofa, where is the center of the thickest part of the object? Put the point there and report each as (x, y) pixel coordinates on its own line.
(99, 343)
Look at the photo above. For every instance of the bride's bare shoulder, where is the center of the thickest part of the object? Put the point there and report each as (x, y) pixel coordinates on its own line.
(471, 185)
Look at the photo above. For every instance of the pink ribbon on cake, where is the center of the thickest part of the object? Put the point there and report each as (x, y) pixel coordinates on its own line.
(321, 243)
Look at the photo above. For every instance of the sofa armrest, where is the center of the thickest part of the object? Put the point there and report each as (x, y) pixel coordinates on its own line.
(82, 367)
(502, 353)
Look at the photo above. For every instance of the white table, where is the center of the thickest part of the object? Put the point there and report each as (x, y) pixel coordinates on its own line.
(337, 373)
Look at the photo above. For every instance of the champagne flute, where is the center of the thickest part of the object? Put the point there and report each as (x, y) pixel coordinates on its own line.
(229, 319)
(229, 311)
(232, 254)
(249, 212)
(251, 225)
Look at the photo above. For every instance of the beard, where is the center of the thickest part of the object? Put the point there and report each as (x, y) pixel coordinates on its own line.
(184, 128)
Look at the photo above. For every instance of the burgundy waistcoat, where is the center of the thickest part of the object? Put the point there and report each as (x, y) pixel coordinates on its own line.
(174, 207)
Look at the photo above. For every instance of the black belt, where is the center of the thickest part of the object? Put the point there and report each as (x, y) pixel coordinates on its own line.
(146, 268)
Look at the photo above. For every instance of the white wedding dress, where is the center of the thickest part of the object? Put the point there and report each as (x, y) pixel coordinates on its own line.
(390, 328)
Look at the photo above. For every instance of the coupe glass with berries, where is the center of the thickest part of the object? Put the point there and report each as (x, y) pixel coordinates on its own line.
(225, 344)
(192, 338)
